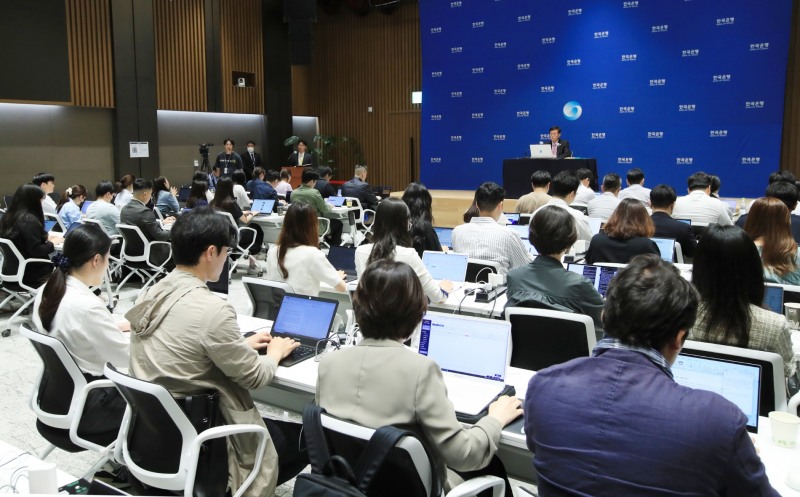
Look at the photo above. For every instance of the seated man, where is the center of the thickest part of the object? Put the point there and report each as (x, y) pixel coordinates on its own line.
(585, 193)
(617, 423)
(663, 199)
(483, 238)
(563, 190)
(187, 339)
(360, 189)
(788, 194)
(103, 210)
(545, 281)
(137, 214)
(262, 186)
(307, 194)
(699, 206)
(46, 182)
(636, 187)
(603, 206)
(540, 182)
(323, 186)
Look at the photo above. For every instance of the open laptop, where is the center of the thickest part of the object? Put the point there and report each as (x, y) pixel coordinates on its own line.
(773, 298)
(263, 206)
(445, 236)
(594, 224)
(49, 224)
(449, 266)
(183, 193)
(736, 381)
(685, 221)
(85, 205)
(512, 217)
(344, 259)
(335, 201)
(473, 354)
(520, 230)
(306, 319)
(541, 152)
(599, 276)
(667, 248)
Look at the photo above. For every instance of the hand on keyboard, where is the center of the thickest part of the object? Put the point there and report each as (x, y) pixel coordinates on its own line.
(505, 409)
(281, 347)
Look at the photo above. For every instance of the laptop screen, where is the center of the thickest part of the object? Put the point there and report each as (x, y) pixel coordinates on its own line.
(445, 236)
(263, 205)
(512, 217)
(666, 246)
(599, 276)
(738, 382)
(343, 258)
(594, 224)
(521, 231)
(86, 204)
(301, 316)
(773, 298)
(183, 193)
(685, 221)
(335, 201)
(49, 224)
(471, 346)
(446, 265)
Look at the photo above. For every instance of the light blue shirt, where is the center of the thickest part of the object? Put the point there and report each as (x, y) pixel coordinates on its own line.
(70, 213)
(106, 213)
(167, 204)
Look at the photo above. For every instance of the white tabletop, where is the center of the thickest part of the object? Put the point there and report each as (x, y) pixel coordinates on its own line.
(13, 465)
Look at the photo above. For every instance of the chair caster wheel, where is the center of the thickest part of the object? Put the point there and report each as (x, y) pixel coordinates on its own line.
(6, 333)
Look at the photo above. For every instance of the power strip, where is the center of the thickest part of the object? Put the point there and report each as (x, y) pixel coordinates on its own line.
(484, 296)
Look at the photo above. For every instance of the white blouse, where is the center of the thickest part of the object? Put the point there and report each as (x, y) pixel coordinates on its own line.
(307, 267)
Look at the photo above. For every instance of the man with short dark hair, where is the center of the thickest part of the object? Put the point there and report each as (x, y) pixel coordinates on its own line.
(603, 206)
(560, 147)
(306, 193)
(699, 206)
(787, 193)
(663, 198)
(104, 211)
(563, 189)
(213, 178)
(260, 189)
(483, 238)
(360, 189)
(585, 193)
(301, 157)
(46, 182)
(636, 189)
(540, 182)
(137, 214)
(323, 186)
(251, 160)
(228, 161)
(617, 423)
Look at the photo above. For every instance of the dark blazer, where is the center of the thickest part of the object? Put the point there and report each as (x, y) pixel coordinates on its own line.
(562, 150)
(666, 227)
(137, 214)
(362, 191)
(795, 225)
(250, 163)
(31, 241)
(325, 189)
(603, 248)
(308, 159)
(261, 190)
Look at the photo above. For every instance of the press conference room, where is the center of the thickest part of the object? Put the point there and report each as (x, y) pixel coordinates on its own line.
(391, 247)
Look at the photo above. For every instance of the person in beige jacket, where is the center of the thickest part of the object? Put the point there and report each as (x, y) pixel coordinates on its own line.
(380, 382)
(187, 339)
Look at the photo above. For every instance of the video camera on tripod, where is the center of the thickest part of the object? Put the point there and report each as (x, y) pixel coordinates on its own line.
(206, 167)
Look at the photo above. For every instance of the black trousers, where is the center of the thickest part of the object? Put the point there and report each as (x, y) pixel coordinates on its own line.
(335, 236)
(286, 438)
(102, 416)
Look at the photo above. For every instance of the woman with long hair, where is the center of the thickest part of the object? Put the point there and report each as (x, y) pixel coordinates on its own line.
(297, 259)
(239, 181)
(626, 234)
(769, 226)
(23, 224)
(391, 239)
(125, 191)
(69, 207)
(419, 202)
(224, 200)
(197, 195)
(728, 276)
(67, 309)
(165, 197)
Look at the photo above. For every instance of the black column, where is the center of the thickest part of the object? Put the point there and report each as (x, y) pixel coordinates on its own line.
(135, 119)
(277, 83)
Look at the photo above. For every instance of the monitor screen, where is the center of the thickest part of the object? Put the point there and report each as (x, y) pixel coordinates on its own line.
(594, 224)
(304, 316)
(446, 265)
(667, 247)
(86, 204)
(685, 221)
(512, 217)
(773, 298)
(335, 201)
(599, 276)
(521, 231)
(445, 236)
(343, 258)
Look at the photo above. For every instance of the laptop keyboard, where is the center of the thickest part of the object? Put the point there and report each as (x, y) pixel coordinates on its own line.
(301, 352)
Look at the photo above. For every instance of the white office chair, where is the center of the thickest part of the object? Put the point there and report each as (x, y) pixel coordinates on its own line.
(358, 226)
(324, 229)
(135, 255)
(14, 284)
(48, 216)
(158, 213)
(265, 296)
(239, 254)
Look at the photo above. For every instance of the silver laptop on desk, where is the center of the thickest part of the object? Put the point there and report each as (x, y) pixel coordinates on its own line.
(541, 152)
(449, 266)
(667, 248)
(263, 206)
(473, 354)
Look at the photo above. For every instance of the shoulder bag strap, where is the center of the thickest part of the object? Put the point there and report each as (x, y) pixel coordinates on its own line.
(318, 453)
(380, 444)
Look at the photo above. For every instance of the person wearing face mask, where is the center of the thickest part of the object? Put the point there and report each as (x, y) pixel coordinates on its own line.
(228, 161)
(251, 160)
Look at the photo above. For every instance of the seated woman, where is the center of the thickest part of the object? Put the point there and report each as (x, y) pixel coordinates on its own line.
(225, 201)
(391, 240)
(197, 195)
(419, 202)
(69, 207)
(297, 259)
(67, 309)
(284, 188)
(164, 197)
(544, 282)
(23, 224)
(626, 234)
(728, 276)
(124, 191)
(769, 226)
(239, 180)
(352, 384)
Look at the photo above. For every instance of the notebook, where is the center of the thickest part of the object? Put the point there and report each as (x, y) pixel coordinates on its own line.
(183, 193)
(473, 354)
(738, 382)
(512, 217)
(335, 201)
(445, 236)
(306, 319)
(773, 298)
(263, 206)
(599, 276)
(449, 266)
(667, 248)
(344, 259)
(541, 152)
(86, 204)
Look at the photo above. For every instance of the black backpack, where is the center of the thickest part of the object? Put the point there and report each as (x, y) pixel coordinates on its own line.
(332, 476)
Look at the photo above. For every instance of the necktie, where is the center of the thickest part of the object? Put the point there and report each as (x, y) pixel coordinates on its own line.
(252, 158)
(555, 149)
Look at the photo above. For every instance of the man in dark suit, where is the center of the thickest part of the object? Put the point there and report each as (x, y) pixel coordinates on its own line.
(788, 194)
(302, 157)
(251, 160)
(560, 147)
(323, 185)
(663, 199)
(137, 214)
(360, 189)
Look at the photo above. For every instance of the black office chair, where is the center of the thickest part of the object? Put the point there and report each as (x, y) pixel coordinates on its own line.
(541, 338)
(138, 254)
(580, 207)
(265, 296)
(478, 270)
(698, 229)
(20, 283)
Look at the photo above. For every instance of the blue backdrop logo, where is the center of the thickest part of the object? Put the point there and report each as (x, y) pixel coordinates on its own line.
(572, 110)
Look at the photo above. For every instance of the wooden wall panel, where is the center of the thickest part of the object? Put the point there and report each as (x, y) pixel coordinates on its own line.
(790, 151)
(371, 61)
(241, 51)
(180, 55)
(91, 64)
(301, 91)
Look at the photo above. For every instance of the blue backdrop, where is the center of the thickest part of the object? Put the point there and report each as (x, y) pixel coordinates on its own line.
(670, 86)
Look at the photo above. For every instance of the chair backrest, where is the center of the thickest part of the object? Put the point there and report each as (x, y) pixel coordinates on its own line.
(134, 243)
(478, 270)
(579, 206)
(265, 296)
(11, 253)
(407, 470)
(541, 338)
(59, 226)
(355, 202)
(158, 213)
(678, 253)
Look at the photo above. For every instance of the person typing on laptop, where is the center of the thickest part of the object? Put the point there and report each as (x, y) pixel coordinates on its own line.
(353, 383)
(187, 339)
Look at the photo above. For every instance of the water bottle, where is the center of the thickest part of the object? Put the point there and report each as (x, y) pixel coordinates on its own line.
(339, 192)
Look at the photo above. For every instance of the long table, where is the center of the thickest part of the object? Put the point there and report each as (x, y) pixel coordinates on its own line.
(517, 172)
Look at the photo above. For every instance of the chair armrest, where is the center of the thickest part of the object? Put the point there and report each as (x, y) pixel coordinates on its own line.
(219, 432)
(80, 403)
(794, 402)
(252, 242)
(21, 270)
(148, 249)
(474, 486)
